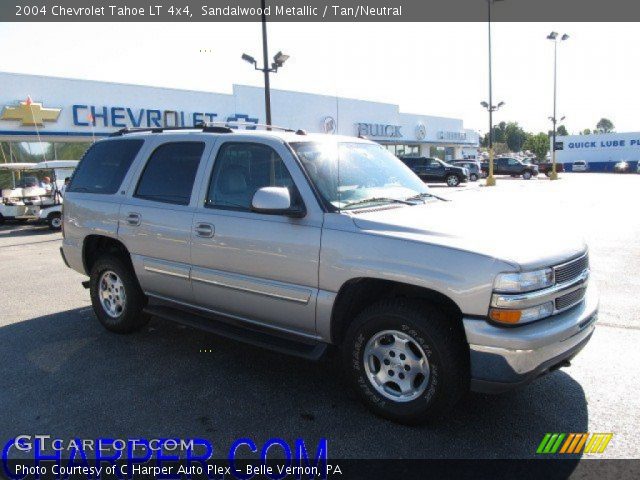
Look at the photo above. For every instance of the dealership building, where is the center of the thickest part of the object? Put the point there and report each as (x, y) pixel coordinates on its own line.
(600, 151)
(38, 109)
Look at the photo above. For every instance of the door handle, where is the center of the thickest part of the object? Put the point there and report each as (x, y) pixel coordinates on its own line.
(133, 219)
(204, 230)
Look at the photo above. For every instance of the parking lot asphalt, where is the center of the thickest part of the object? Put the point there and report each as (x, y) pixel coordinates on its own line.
(64, 375)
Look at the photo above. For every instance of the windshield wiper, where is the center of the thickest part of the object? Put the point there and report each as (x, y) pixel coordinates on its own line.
(420, 196)
(378, 199)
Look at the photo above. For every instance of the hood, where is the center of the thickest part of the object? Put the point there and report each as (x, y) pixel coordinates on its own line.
(521, 239)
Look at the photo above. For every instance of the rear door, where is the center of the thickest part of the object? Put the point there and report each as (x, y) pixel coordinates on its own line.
(434, 170)
(500, 166)
(253, 266)
(157, 215)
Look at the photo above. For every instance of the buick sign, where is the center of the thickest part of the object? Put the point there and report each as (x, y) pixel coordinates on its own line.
(378, 130)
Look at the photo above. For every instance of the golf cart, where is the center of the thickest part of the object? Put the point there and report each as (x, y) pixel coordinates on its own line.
(27, 200)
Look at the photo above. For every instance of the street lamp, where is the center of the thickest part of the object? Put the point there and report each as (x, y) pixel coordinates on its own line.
(553, 36)
(278, 61)
(491, 181)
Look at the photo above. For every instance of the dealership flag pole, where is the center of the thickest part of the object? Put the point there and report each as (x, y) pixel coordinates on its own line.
(29, 103)
(93, 131)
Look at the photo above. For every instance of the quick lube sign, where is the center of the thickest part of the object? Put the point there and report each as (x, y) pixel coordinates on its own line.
(605, 141)
(605, 144)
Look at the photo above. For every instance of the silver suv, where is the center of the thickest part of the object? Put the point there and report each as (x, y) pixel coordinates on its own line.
(296, 242)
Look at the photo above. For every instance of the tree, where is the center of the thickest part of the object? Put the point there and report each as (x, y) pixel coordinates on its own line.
(562, 130)
(605, 126)
(586, 131)
(515, 136)
(539, 145)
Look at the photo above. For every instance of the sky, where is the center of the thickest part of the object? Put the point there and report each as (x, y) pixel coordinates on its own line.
(427, 68)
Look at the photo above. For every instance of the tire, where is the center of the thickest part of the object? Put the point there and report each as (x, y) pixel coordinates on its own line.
(431, 335)
(110, 275)
(473, 177)
(526, 175)
(548, 173)
(54, 220)
(452, 180)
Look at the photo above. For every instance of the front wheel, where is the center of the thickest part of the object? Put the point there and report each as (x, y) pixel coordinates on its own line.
(406, 360)
(116, 297)
(526, 175)
(473, 177)
(452, 180)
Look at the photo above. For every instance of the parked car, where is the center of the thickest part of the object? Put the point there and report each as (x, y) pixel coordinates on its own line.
(296, 242)
(511, 166)
(622, 167)
(580, 166)
(434, 170)
(472, 166)
(547, 167)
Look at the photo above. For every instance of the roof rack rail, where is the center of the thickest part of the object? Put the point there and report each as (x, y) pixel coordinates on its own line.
(252, 126)
(205, 128)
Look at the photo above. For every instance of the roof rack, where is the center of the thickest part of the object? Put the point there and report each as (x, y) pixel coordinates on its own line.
(205, 128)
(233, 123)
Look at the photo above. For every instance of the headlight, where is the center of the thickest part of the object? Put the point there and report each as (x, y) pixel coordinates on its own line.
(518, 317)
(524, 282)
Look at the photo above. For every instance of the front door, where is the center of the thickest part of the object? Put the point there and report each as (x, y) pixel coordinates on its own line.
(253, 266)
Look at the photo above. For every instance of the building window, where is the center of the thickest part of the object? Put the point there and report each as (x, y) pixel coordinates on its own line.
(404, 150)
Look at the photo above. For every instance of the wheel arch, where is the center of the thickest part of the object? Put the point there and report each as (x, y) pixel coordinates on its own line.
(358, 293)
(96, 245)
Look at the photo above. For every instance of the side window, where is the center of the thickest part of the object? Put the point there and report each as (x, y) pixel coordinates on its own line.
(420, 162)
(433, 163)
(170, 172)
(513, 161)
(240, 169)
(104, 166)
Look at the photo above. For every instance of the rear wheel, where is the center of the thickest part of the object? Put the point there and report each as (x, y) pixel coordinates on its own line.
(452, 180)
(406, 360)
(116, 297)
(526, 175)
(474, 177)
(54, 220)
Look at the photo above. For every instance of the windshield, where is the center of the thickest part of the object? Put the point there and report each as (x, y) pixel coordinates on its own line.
(356, 175)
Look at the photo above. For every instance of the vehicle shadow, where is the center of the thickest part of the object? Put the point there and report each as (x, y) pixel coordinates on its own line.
(26, 229)
(64, 375)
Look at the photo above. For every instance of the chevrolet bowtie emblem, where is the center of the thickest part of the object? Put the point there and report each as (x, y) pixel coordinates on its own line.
(30, 113)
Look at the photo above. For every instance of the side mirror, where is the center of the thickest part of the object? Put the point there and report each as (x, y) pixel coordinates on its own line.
(275, 201)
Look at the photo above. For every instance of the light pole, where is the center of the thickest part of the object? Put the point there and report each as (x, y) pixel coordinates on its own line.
(278, 61)
(553, 36)
(491, 181)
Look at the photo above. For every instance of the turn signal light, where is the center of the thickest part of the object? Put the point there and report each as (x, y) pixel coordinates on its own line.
(505, 316)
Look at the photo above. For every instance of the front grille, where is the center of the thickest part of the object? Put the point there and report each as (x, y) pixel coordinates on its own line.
(568, 271)
(566, 301)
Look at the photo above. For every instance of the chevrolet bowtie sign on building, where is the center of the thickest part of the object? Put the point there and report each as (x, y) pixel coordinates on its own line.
(30, 113)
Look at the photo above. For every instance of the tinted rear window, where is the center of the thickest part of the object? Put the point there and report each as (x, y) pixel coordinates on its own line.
(104, 166)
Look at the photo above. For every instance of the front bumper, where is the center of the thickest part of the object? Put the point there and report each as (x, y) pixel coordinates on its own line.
(504, 358)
